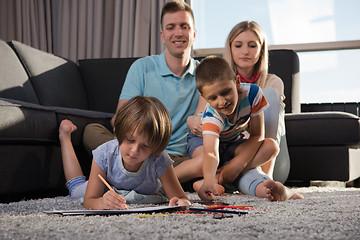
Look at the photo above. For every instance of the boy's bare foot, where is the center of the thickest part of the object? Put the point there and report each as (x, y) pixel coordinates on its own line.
(275, 191)
(197, 185)
(66, 128)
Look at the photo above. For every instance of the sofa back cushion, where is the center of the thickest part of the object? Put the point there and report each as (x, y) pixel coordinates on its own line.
(14, 82)
(57, 81)
(285, 64)
(104, 79)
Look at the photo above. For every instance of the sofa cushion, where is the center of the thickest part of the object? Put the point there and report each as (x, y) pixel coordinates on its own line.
(30, 167)
(57, 81)
(285, 64)
(14, 81)
(104, 79)
(328, 163)
(322, 128)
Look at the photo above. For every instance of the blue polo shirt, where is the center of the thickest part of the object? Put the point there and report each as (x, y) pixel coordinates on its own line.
(150, 76)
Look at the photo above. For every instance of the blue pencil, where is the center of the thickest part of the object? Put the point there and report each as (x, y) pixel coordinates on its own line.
(216, 210)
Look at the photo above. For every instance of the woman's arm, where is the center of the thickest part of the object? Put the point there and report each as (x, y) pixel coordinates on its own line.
(173, 189)
(194, 121)
(94, 197)
(273, 81)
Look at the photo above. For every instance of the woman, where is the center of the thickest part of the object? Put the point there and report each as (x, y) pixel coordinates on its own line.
(246, 51)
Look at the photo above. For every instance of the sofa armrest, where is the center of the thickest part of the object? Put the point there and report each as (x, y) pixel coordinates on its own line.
(322, 128)
(24, 122)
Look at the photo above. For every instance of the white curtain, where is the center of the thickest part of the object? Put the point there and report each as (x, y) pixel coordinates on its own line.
(78, 29)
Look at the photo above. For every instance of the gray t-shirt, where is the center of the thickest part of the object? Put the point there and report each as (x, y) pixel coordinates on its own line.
(145, 181)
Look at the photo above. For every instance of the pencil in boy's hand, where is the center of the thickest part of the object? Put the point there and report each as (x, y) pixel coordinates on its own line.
(110, 188)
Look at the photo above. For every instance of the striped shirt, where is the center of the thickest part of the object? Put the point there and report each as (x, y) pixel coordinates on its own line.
(251, 103)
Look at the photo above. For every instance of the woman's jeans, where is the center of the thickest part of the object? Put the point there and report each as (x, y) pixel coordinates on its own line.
(275, 128)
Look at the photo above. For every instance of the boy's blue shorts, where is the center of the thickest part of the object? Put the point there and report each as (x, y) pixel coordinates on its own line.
(226, 150)
(193, 142)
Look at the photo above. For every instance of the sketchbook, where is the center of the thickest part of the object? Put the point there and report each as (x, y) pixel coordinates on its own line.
(119, 211)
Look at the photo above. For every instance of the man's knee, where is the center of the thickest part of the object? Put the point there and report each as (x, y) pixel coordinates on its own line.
(179, 158)
(94, 135)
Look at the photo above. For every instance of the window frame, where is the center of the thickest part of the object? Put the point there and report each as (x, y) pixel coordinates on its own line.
(300, 47)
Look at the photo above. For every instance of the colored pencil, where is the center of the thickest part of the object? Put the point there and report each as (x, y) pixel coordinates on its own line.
(110, 188)
(216, 210)
(226, 206)
(105, 182)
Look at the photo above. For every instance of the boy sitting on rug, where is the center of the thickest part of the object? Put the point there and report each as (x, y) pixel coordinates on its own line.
(232, 107)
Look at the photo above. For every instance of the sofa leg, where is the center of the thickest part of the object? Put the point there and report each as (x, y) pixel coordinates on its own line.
(355, 183)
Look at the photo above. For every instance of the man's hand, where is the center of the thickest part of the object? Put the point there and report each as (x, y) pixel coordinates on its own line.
(194, 125)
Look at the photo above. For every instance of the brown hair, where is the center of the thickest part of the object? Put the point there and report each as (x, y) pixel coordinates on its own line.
(148, 116)
(262, 64)
(211, 69)
(175, 6)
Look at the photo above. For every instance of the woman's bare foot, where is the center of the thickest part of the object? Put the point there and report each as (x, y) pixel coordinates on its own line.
(66, 128)
(275, 191)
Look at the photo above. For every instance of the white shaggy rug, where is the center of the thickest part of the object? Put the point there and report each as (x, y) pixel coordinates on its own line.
(325, 213)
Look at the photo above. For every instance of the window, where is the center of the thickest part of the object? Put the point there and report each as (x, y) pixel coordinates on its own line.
(330, 76)
(303, 25)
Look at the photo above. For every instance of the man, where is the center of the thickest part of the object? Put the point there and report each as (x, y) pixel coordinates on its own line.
(169, 77)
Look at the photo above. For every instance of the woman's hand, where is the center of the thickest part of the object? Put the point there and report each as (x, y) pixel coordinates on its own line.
(112, 200)
(194, 125)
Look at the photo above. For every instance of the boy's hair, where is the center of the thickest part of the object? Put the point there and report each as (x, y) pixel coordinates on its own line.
(211, 69)
(175, 6)
(148, 116)
(262, 64)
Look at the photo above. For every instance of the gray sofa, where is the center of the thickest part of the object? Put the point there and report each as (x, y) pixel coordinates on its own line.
(38, 90)
(323, 139)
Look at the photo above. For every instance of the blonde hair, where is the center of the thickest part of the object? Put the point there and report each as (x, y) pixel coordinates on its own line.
(148, 116)
(262, 64)
(211, 69)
